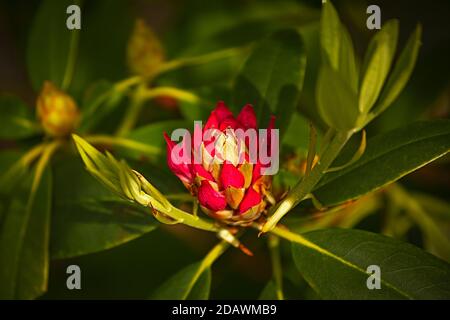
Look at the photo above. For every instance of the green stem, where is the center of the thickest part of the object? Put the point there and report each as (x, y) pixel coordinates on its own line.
(71, 59)
(307, 184)
(274, 247)
(207, 262)
(133, 111)
(178, 94)
(202, 59)
(123, 142)
(191, 220)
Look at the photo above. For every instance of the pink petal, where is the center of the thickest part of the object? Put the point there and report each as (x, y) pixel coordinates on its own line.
(231, 176)
(251, 199)
(183, 170)
(222, 111)
(210, 198)
(247, 117)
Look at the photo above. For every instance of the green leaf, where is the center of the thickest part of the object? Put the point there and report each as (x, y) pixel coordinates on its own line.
(388, 157)
(377, 62)
(100, 100)
(272, 78)
(88, 218)
(49, 44)
(334, 263)
(189, 283)
(337, 46)
(24, 241)
(336, 100)
(17, 121)
(269, 292)
(402, 71)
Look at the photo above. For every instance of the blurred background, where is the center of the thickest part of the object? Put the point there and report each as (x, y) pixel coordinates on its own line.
(188, 28)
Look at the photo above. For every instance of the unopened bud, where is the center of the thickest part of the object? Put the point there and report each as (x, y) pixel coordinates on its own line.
(57, 111)
(144, 53)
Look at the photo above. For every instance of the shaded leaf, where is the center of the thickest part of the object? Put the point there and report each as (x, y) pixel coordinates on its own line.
(189, 283)
(17, 119)
(334, 263)
(24, 241)
(87, 217)
(49, 43)
(272, 78)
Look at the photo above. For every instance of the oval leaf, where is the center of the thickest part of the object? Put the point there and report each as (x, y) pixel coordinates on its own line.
(334, 263)
(388, 157)
(272, 78)
(87, 217)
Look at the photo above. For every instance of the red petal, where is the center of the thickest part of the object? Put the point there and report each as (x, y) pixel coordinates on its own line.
(183, 170)
(256, 172)
(251, 199)
(229, 122)
(210, 198)
(247, 117)
(231, 176)
(212, 122)
(222, 111)
(202, 172)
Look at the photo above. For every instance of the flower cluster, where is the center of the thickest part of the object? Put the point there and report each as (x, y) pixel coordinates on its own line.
(230, 184)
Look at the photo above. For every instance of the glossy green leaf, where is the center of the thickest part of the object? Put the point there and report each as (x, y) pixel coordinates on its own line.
(87, 217)
(49, 44)
(272, 78)
(377, 63)
(24, 241)
(334, 263)
(388, 157)
(189, 283)
(17, 121)
(402, 71)
(336, 100)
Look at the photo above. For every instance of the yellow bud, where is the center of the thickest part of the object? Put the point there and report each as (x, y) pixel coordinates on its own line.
(144, 52)
(57, 111)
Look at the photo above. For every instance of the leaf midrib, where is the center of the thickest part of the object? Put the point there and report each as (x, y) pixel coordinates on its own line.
(366, 161)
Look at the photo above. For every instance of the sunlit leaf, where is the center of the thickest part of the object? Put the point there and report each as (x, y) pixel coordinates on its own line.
(377, 63)
(388, 157)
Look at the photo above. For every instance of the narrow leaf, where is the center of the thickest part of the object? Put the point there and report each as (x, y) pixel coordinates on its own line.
(377, 64)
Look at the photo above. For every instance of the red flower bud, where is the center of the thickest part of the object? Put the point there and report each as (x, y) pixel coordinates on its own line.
(228, 186)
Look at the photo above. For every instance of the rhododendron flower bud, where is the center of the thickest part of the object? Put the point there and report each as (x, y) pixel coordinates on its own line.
(57, 111)
(145, 53)
(223, 169)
